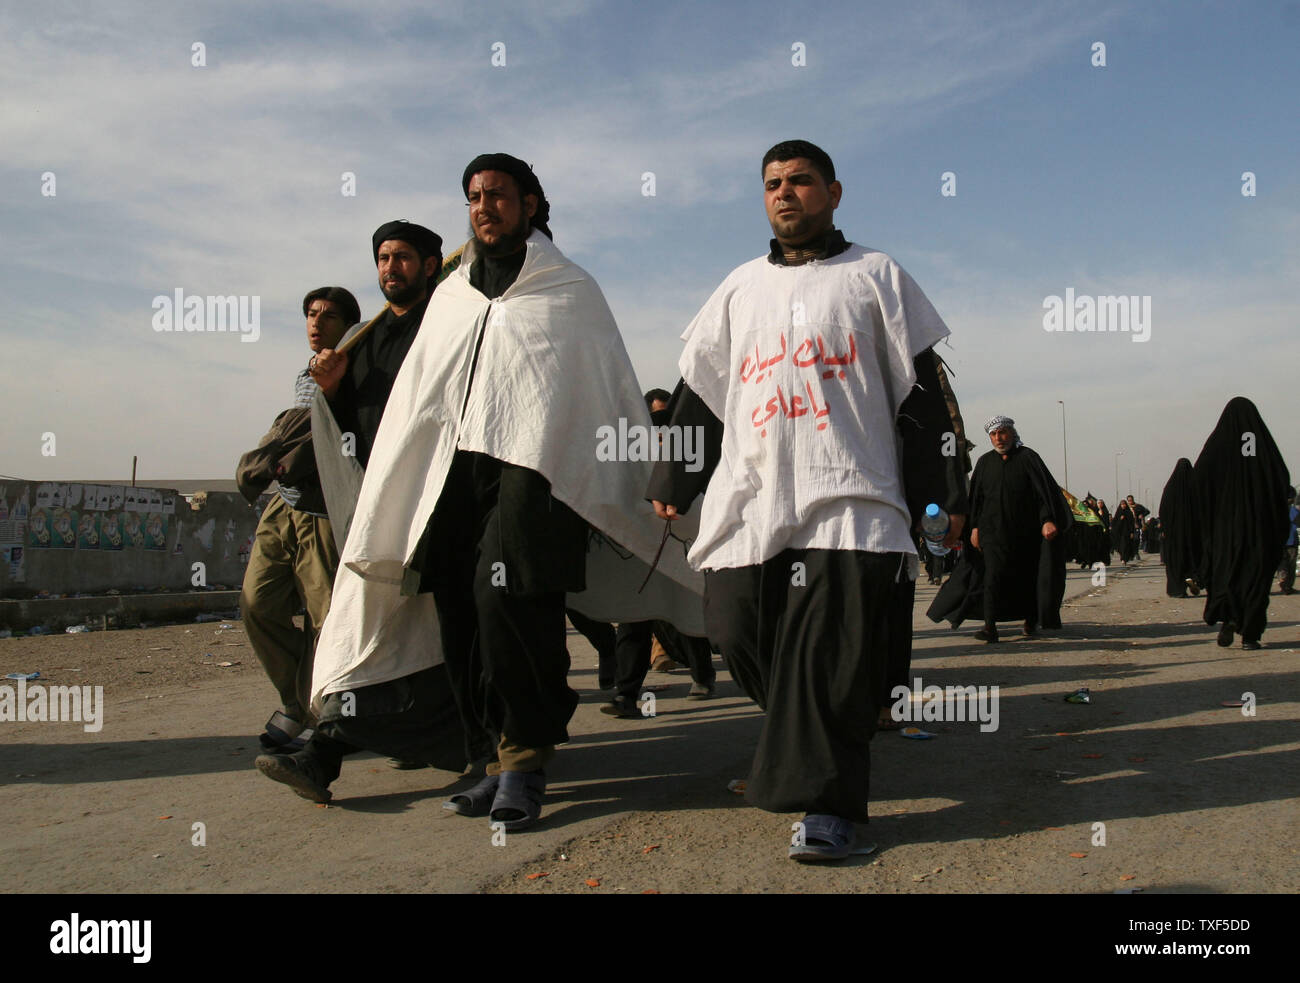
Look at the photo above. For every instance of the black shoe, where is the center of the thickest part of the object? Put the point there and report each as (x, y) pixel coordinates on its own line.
(621, 706)
(1029, 629)
(1225, 634)
(300, 771)
(1250, 646)
(405, 764)
(989, 633)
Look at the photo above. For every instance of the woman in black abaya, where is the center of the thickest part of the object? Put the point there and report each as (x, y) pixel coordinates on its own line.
(1124, 531)
(1181, 545)
(1241, 484)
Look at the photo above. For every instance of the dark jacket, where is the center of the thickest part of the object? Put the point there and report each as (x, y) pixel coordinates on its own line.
(284, 454)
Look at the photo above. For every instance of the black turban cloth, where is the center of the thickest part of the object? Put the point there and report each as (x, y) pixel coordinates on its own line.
(426, 242)
(1242, 502)
(524, 177)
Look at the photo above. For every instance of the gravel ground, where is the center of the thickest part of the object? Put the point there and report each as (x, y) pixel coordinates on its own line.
(1192, 796)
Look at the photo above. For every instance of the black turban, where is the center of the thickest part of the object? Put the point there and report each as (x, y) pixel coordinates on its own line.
(523, 175)
(426, 242)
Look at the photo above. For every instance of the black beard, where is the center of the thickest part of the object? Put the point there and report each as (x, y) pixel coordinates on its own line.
(507, 244)
(404, 296)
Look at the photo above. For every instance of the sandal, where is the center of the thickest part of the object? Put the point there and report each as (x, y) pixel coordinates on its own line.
(477, 801)
(823, 838)
(518, 802)
(283, 731)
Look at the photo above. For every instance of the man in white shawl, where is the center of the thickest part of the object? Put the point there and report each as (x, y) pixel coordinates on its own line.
(482, 489)
(811, 368)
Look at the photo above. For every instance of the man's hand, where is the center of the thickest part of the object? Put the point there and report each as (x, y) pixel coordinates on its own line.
(1049, 531)
(327, 367)
(975, 538)
(956, 523)
(665, 511)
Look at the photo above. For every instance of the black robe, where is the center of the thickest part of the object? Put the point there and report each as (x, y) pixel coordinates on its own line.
(1124, 533)
(1180, 547)
(373, 364)
(1243, 512)
(1011, 499)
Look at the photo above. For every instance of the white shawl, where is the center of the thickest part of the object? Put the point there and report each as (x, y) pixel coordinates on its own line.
(551, 371)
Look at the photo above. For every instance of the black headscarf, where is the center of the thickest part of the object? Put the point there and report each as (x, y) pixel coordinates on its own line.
(426, 242)
(1242, 503)
(524, 177)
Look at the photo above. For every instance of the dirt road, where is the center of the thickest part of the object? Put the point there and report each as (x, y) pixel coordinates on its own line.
(1191, 795)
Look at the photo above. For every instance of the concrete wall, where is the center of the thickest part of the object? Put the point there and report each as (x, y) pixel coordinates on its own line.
(67, 538)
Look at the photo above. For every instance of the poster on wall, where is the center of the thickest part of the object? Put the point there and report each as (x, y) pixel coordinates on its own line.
(63, 529)
(38, 528)
(110, 531)
(104, 495)
(17, 573)
(155, 531)
(88, 531)
(133, 529)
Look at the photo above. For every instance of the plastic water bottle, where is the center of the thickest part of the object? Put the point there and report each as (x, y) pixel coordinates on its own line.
(934, 526)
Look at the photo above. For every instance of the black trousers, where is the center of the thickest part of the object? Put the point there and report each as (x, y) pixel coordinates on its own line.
(602, 638)
(898, 667)
(501, 610)
(632, 655)
(809, 645)
(414, 718)
(689, 650)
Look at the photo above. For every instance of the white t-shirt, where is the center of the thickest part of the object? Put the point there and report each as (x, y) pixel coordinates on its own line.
(806, 367)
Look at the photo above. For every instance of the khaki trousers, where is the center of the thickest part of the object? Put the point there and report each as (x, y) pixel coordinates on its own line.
(291, 566)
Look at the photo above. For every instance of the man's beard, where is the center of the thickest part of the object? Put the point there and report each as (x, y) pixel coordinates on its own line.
(510, 242)
(405, 296)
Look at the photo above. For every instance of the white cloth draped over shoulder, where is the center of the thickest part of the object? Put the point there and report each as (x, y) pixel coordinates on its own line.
(552, 371)
(807, 367)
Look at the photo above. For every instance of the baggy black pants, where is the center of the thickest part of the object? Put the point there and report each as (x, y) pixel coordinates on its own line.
(632, 655)
(810, 645)
(499, 583)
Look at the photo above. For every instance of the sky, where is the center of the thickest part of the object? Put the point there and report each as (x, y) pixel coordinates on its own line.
(1127, 178)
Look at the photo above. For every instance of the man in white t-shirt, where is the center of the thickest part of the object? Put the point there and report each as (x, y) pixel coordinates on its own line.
(811, 373)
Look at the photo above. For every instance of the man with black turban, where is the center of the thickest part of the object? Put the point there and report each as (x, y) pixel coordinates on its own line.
(357, 383)
(413, 718)
(472, 522)
(1017, 517)
(1241, 484)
